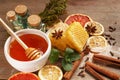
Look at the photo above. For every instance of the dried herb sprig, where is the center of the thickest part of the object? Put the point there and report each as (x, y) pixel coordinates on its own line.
(52, 11)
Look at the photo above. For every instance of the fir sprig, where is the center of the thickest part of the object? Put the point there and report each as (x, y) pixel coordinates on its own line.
(52, 11)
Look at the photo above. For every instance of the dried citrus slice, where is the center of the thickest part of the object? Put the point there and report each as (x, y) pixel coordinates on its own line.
(97, 43)
(77, 18)
(76, 36)
(24, 76)
(50, 72)
(94, 28)
(57, 36)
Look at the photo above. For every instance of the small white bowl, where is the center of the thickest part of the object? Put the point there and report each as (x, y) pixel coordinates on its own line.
(28, 66)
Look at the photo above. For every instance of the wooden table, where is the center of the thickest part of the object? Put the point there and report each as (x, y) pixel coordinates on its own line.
(106, 12)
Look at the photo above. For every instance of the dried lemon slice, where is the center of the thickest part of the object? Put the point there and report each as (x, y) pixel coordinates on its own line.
(97, 43)
(50, 72)
(94, 28)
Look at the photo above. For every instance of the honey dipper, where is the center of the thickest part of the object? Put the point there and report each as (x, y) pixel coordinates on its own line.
(30, 52)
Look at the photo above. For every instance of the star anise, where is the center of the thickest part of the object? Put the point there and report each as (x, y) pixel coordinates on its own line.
(57, 34)
(91, 28)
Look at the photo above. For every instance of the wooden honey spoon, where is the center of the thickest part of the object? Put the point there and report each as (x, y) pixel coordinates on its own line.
(30, 52)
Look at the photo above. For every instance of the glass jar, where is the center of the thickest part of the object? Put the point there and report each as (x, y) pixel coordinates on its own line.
(22, 14)
(12, 18)
(43, 27)
(34, 21)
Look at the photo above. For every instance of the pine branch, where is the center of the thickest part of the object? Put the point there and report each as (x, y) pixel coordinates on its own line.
(52, 11)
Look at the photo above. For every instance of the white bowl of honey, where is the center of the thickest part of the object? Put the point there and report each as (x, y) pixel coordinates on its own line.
(16, 56)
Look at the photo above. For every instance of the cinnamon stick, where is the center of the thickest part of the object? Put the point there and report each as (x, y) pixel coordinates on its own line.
(69, 74)
(107, 58)
(104, 71)
(94, 73)
(105, 61)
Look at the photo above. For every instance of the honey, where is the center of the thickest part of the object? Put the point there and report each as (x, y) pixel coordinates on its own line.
(31, 40)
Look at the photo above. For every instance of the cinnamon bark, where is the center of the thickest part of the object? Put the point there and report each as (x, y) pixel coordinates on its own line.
(69, 74)
(107, 58)
(104, 71)
(105, 61)
(94, 73)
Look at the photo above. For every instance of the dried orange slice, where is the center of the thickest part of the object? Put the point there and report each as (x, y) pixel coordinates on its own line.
(24, 76)
(94, 28)
(50, 72)
(76, 36)
(97, 43)
(77, 18)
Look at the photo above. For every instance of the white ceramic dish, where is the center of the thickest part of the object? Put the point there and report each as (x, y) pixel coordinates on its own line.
(28, 66)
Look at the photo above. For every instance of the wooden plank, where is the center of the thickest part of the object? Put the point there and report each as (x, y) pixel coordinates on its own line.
(106, 12)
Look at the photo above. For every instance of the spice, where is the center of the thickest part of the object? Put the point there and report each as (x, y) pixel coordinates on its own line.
(69, 74)
(91, 29)
(118, 57)
(86, 50)
(111, 40)
(94, 73)
(87, 59)
(57, 34)
(111, 29)
(112, 54)
(107, 35)
(82, 67)
(104, 71)
(82, 74)
(107, 60)
(114, 43)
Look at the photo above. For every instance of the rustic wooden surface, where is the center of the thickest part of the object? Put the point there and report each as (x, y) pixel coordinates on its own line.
(107, 12)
